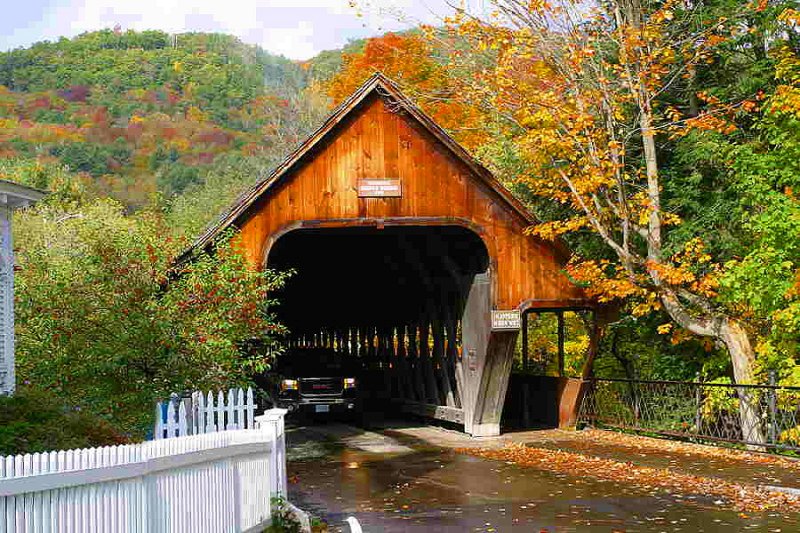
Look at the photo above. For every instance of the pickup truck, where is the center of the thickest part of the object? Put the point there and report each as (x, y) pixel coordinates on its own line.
(311, 381)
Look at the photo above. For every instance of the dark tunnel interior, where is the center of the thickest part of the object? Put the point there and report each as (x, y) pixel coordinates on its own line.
(370, 277)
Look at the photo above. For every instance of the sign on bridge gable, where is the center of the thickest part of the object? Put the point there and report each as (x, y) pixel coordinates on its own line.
(380, 188)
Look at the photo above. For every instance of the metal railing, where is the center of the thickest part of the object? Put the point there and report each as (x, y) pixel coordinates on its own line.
(763, 416)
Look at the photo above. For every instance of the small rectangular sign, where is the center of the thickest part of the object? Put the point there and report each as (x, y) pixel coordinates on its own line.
(506, 320)
(380, 188)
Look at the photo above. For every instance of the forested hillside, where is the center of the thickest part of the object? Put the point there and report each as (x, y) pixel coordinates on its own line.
(140, 113)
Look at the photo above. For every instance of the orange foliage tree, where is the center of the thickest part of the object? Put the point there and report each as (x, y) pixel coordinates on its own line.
(412, 62)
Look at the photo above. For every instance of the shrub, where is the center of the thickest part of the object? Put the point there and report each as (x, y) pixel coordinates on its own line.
(34, 420)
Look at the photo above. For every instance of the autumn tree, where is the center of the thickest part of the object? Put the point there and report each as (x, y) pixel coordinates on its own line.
(421, 70)
(584, 88)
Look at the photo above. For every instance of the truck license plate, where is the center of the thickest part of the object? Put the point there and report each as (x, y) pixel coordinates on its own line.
(322, 408)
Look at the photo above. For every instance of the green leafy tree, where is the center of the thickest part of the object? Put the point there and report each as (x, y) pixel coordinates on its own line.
(106, 324)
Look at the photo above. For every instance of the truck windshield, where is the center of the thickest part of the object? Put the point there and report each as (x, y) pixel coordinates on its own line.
(316, 362)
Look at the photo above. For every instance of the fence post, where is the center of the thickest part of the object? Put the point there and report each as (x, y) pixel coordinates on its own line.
(250, 407)
(698, 397)
(188, 408)
(772, 433)
(158, 430)
(229, 410)
(200, 421)
(210, 426)
(272, 421)
(220, 411)
(240, 423)
(172, 423)
(183, 427)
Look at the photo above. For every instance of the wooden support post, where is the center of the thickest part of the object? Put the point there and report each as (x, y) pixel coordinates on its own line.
(487, 362)
(431, 389)
(524, 341)
(594, 344)
(414, 357)
(452, 359)
(402, 363)
(363, 350)
(574, 389)
(371, 351)
(440, 365)
(384, 354)
(397, 384)
(560, 315)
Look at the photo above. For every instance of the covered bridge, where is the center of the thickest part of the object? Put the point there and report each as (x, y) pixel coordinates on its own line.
(408, 253)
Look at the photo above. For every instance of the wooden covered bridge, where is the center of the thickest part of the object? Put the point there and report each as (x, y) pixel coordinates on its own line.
(408, 253)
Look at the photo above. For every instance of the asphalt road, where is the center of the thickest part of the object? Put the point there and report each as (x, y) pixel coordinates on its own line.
(413, 480)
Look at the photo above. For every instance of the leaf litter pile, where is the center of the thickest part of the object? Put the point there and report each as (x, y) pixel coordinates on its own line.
(742, 497)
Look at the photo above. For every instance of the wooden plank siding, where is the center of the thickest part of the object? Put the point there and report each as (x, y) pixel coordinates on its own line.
(378, 139)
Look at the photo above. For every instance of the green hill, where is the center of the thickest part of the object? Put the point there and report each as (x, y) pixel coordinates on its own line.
(135, 113)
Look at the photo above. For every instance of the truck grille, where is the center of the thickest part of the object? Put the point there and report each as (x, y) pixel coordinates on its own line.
(320, 386)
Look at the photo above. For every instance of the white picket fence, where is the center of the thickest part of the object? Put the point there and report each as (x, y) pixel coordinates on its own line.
(203, 415)
(213, 482)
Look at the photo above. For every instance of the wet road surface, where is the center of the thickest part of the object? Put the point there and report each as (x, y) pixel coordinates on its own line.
(336, 471)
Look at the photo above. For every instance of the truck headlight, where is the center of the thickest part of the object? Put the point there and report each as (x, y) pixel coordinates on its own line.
(288, 384)
(349, 383)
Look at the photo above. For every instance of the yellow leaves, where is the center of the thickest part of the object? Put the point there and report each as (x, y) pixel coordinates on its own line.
(790, 16)
(195, 114)
(177, 66)
(709, 122)
(673, 114)
(662, 15)
(694, 247)
(786, 101)
(590, 460)
(180, 144)
(681, 271)
(716, 40)
(672, 275)
(641, 208)
(749, 106)
(647, 305)
(669, 219)
(759, 5)
(681, 335)
(663, 329)
(604, 281)
(539, 6)
(709, 99)
(552, 230)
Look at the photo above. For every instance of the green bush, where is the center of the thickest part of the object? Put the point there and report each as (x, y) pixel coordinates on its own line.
(34, 420)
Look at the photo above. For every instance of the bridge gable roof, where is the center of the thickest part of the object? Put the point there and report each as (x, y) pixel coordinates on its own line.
(383, 87)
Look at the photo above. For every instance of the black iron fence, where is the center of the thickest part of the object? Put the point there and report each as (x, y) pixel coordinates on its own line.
(763, 416)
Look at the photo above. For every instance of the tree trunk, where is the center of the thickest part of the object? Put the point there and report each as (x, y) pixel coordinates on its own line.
(735, 338)
(731, 333)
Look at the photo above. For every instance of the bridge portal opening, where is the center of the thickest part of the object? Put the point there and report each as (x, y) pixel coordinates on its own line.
(392, 298)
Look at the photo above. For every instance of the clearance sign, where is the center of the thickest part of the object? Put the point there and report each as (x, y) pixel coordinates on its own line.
(506, 320)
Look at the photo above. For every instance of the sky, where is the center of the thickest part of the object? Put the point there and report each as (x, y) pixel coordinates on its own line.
(298, 29)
